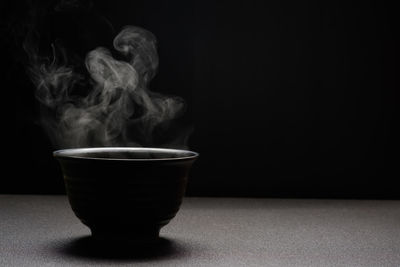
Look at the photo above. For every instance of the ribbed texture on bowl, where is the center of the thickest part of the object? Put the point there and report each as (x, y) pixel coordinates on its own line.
(125, 199)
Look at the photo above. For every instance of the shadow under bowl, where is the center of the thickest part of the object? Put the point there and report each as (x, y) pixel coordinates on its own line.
(125, 193)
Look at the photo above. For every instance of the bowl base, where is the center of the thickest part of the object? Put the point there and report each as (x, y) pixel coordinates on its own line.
(131, 236)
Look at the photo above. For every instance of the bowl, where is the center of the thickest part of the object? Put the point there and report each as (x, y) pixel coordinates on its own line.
(125, 193)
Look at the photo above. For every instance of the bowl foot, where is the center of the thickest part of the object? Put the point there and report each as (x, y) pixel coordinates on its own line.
(138, 236)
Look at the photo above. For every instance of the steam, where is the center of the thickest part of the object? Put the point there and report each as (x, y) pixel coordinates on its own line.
(116, 107)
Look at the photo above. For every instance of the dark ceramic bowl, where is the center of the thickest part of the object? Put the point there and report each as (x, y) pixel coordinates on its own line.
(125, 193)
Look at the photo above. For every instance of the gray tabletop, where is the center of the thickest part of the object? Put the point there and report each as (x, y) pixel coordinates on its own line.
(43, 231)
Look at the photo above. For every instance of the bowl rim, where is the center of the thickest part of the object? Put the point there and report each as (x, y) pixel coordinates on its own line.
(75, 153)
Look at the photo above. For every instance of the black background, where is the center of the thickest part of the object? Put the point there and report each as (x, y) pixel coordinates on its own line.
(287, 98)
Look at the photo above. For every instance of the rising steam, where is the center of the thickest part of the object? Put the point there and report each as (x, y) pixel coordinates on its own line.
(118, 109)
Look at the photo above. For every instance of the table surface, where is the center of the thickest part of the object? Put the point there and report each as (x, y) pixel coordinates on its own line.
(43, 231)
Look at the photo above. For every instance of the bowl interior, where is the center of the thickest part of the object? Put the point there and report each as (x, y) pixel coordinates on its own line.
(126, 153)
